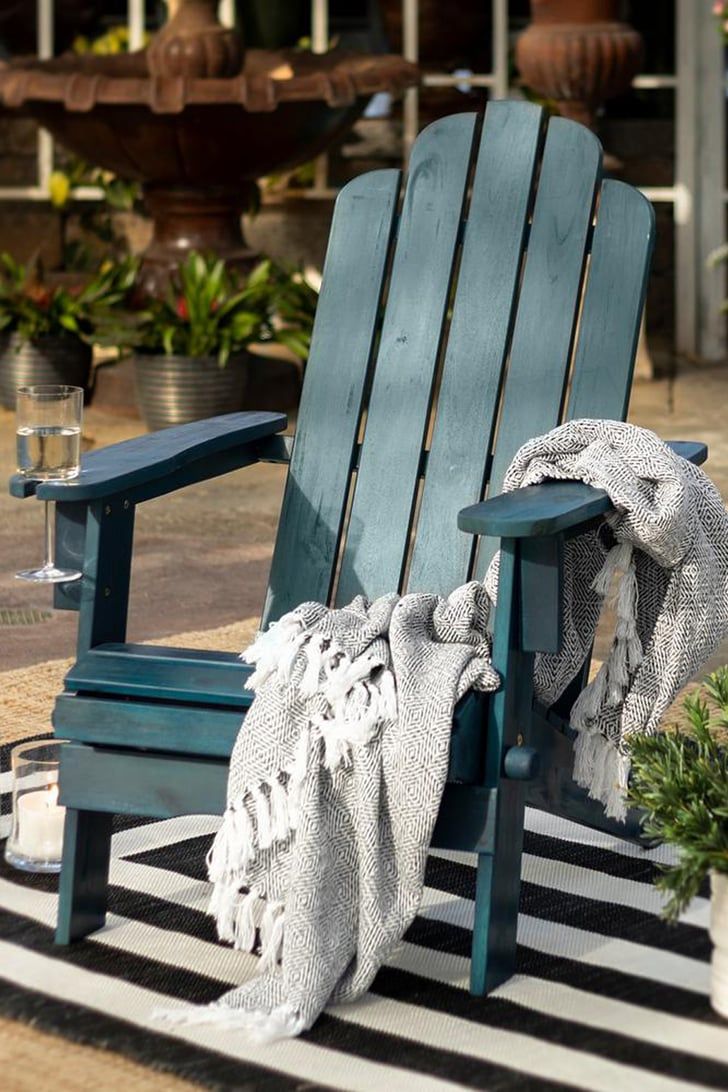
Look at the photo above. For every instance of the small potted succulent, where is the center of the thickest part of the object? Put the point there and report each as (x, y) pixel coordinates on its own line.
(190, 346)
(47, 330)
(680, 779)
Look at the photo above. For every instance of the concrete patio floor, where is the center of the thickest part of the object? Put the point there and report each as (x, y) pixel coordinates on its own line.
(202, 555)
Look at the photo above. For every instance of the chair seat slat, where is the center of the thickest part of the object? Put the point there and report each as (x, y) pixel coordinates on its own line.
(172, 674)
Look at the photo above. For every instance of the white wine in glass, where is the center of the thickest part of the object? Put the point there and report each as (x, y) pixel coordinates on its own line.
(48, 434)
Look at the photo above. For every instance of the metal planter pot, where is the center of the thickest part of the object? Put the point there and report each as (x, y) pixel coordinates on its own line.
(46, 360)
(172, 390)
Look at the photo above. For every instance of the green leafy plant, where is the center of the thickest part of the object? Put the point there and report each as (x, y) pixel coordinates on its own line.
(209, 311)
(720, 11)
(95, 218)
(34, 308)
(292, 303)
(680, 778)
(113, 40)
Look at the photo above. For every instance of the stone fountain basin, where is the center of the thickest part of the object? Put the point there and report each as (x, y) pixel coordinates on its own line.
(282, 109)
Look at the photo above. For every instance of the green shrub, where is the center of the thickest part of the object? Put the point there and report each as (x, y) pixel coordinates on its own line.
(680, 778)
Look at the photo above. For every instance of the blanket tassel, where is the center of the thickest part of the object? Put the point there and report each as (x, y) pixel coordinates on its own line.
(282, 1022)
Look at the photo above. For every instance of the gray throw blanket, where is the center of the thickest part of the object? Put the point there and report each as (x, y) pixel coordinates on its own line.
(338, 771)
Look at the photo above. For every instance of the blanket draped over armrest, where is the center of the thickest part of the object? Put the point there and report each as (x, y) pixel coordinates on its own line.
(338, 771)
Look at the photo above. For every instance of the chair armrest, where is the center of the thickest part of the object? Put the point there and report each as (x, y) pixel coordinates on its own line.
(547, 509)
(152, 465)
(691, 450)
(535, 510)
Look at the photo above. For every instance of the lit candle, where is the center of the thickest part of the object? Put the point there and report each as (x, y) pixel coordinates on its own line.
(40, 825)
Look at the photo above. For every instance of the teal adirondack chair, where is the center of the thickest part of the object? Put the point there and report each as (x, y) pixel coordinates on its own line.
(496, 293)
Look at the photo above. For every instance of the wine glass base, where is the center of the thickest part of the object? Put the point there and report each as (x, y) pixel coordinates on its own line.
(49, 574)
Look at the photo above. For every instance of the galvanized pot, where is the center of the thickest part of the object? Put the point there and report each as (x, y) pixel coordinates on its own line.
(49, 359)
(172, 390)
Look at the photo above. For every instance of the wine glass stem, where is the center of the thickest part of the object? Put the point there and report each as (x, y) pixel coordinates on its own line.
(50, 537)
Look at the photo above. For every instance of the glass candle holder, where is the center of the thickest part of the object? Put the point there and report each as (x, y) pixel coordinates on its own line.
(35, 843)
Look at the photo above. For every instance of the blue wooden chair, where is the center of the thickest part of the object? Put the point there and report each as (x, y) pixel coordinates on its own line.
(496, 293)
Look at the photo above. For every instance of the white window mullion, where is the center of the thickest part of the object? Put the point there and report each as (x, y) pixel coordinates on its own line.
(500, 49)
(226, 13)
(410, 52)
(44, 9)
(320, 44)
(135, 22)
(699, 182)
(319, 26)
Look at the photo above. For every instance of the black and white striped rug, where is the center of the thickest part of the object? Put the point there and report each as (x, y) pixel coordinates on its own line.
(607, 997)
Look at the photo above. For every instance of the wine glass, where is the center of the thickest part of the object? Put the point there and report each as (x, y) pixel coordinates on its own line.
(49, 449)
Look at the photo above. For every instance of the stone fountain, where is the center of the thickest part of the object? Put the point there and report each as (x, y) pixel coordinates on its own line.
(197, 119)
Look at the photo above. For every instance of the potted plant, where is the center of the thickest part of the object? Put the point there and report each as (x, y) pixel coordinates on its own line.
(680, 779)
(191, 345)
(46, 330)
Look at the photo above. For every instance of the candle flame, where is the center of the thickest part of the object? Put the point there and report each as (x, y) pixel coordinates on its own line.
(52, 796)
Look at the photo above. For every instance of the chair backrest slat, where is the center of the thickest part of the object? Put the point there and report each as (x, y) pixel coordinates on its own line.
(613, 301)
(399, 403)
(477, 345)
(456, 319)
(305, 553)
(549, 298)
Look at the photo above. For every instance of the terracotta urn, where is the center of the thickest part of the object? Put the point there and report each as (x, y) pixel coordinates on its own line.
(577, 53)
(194, 43)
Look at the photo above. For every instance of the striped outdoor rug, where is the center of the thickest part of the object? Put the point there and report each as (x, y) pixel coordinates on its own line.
(607, 997)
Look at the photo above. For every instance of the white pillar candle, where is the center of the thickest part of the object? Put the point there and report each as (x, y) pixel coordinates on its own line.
(40, 825)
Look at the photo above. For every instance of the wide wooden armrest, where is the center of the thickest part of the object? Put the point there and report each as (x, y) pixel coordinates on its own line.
(535, 510)
(547, 509)
(152, 465)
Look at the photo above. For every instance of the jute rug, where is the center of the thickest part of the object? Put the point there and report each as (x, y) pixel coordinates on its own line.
(27, 694)
(606, 994)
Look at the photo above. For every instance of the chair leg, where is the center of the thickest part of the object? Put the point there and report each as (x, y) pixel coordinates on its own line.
(493, 957)
(84, 882)
(509, 712)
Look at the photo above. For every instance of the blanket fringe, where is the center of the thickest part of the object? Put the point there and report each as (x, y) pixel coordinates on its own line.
(282, 1022)
(275, 808)
(272, 929)
(244, 921)
(297, 777)
(284, 636)
(262, 809)
(279, 818)
(232, 850)
(243, 916)
(608, 688)
(238, 914)
(601, 769)
(360, 693)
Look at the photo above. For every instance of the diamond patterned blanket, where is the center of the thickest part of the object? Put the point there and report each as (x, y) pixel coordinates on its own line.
(337, 774)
